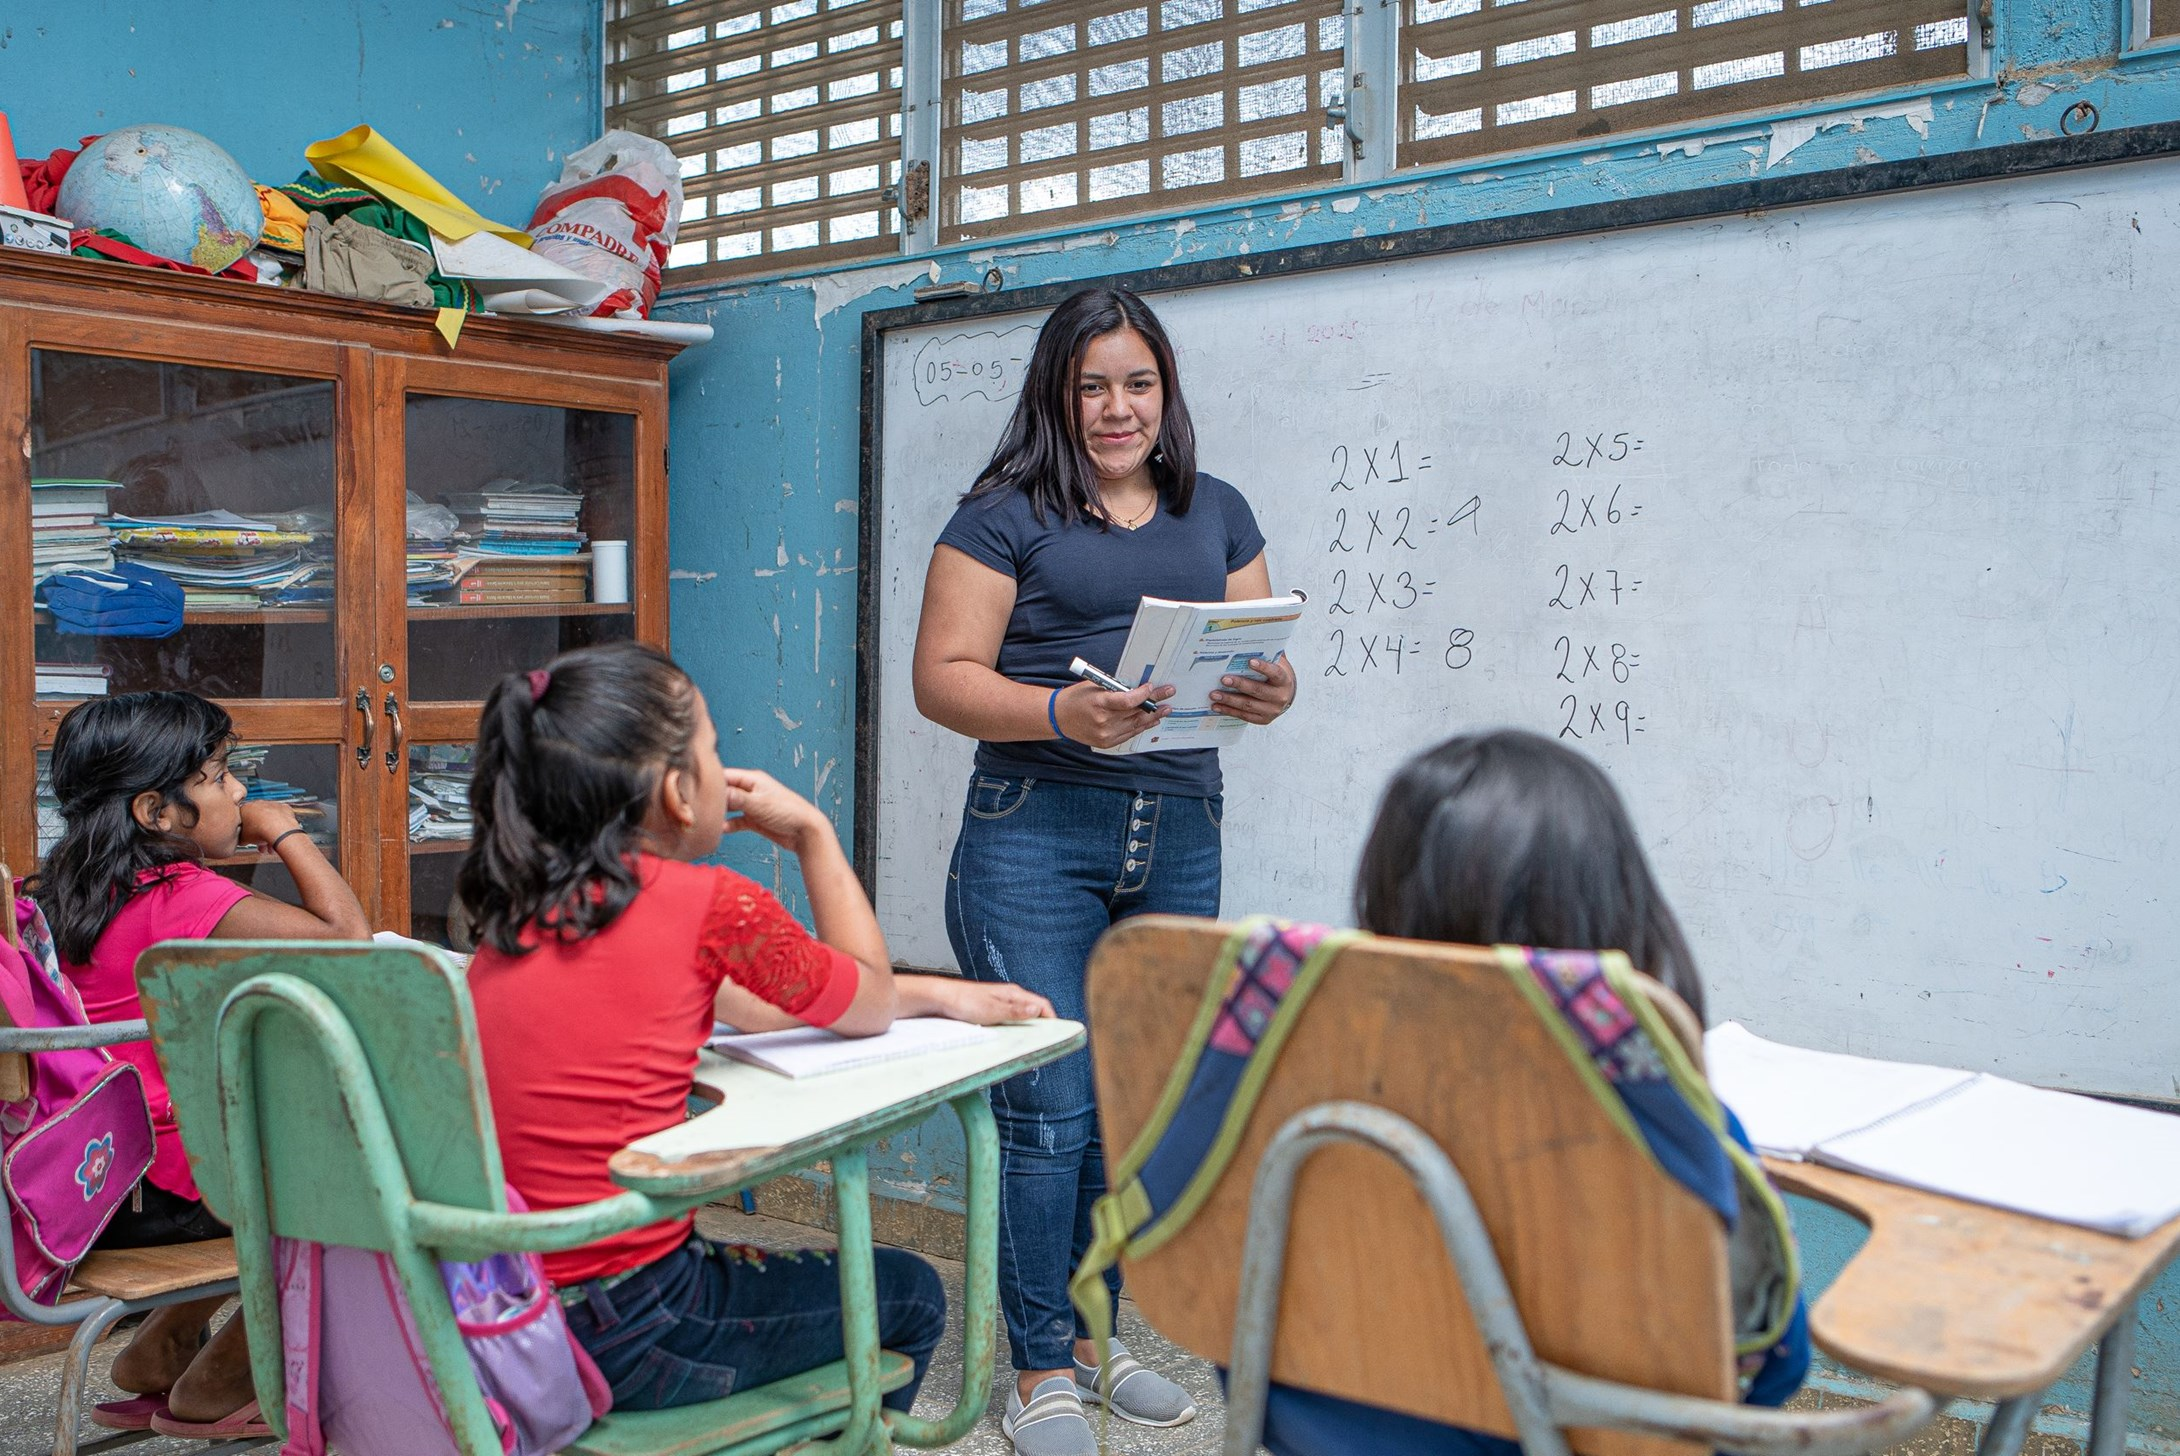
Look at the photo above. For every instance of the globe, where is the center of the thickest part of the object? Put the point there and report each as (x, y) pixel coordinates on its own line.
(167, 190)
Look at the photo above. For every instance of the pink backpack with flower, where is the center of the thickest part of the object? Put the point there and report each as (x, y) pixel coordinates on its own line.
(357, 1377)
(75, 1147)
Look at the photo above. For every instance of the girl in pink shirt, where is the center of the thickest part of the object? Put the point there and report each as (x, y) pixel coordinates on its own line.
(145, 793)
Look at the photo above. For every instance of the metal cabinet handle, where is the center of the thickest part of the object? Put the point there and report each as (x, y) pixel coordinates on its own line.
(370, 727)
(393, 749)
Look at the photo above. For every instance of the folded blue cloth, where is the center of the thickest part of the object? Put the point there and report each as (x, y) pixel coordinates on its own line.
(129, 601)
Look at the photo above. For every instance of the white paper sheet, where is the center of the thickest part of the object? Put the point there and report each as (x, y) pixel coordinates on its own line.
(2055, 1155)
(496, 265)
(1790, 1099)
(760, 1109)
(810, 1051)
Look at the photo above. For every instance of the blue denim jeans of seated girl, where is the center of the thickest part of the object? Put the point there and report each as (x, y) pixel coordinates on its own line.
(1040, 871)
(710, 1320)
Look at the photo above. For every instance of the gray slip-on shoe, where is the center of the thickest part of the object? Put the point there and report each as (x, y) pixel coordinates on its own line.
(1132, 1391)
(1052, 1424)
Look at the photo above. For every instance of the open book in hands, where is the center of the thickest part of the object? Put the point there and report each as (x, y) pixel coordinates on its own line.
(1190, 646)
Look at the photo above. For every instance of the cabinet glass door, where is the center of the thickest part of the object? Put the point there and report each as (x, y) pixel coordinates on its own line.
(439, 834)
(182, 526)
(521, 519)
(521, 543)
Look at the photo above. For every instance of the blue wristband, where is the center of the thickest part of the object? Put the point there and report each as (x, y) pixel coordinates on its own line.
(1052, 712)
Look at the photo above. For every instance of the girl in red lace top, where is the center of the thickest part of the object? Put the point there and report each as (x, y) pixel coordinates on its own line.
(605, 954)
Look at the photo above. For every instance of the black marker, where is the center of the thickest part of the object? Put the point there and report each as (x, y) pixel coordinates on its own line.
(1104, 680)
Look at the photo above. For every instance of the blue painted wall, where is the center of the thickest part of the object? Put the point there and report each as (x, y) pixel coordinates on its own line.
(487, 97)
(766, 422)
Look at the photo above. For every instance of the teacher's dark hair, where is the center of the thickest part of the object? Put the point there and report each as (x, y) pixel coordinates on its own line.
(105, 753)
(568, 757)
(1041, 452)
(1509, 838)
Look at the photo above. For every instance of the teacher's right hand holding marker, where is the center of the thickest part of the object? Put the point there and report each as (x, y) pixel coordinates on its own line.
(1099, 718)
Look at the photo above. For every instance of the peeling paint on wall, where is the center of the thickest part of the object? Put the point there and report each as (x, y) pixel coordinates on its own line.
(1068, 244)
(830, 292)
(1695, 146)
(1789, 136)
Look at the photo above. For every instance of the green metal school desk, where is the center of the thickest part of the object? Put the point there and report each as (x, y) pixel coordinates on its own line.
(334, 1093)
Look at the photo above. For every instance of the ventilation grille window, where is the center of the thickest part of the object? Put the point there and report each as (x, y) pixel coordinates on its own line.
(1071, 109)
(1486, 76)
(786, 118)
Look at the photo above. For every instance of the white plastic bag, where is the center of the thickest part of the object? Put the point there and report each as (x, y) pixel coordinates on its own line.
(612, 216)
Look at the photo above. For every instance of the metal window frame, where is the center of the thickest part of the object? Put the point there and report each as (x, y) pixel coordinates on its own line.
(1373, 89)
(1158, 201)
(1681, 110)
(1371, 117)
(635, 67)
(2139, 32)
(923, 81)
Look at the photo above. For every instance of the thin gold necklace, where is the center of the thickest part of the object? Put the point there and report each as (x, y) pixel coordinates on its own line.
(1139, 518)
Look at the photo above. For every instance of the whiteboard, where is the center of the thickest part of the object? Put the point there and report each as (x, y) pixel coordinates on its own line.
(1843, 536)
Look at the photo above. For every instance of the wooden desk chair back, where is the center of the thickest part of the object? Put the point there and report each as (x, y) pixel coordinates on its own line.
(1618, 1271)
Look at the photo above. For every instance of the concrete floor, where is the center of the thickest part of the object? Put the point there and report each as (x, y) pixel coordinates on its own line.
(27, 1389)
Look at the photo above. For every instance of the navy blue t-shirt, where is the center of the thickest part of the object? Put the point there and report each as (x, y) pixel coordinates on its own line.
(1076, 589)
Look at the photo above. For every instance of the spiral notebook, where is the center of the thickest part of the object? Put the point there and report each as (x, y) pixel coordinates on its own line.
(1969, 1135)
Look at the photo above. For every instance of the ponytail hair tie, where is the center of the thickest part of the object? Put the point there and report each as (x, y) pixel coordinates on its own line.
(540, 680)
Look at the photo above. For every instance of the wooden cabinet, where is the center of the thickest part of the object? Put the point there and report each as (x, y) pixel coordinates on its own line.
(336, 641)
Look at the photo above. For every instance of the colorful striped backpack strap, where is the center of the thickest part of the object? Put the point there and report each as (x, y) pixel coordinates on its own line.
(1634, 1064)
(1264, 976)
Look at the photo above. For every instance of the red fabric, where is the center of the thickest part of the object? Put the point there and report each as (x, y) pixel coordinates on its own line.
(42, 179)
(84, 240)
(180, 902)
(591, 1044)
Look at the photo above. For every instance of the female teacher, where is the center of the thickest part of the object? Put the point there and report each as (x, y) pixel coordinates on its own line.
(1091, 502)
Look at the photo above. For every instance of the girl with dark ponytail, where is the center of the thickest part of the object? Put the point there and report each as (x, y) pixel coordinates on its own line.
(605, 954)
(146, 799)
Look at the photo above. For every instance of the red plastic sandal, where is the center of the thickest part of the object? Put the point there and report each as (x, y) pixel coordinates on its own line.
(246, 1422)
(134, 1414)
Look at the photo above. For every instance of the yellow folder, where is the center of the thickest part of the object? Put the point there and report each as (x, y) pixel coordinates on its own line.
(360, 157)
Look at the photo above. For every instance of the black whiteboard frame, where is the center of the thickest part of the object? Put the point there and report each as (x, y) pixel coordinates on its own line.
(1734, 199)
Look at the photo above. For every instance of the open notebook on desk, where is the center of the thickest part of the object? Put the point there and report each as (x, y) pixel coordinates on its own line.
(810, 1051)
(1967, 1135)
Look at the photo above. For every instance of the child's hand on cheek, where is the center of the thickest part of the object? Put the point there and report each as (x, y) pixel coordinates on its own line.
(758, 802)
(264, 820)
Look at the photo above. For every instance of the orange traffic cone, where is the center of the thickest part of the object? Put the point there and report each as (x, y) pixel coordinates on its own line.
(11, 171)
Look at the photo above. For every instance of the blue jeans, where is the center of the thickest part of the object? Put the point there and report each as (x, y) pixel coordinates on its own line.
(711, 1319)
(1040, 871)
